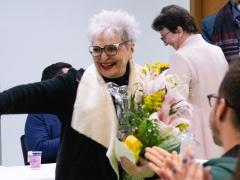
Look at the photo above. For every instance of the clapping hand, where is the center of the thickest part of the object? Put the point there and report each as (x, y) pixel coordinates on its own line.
(171, 167)
(157, 158)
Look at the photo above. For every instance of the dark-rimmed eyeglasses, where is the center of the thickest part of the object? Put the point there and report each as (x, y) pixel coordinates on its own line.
(110, 50)
(212, 98)
(164, 36)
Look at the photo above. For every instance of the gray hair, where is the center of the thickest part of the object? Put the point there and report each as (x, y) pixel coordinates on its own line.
(112, 22)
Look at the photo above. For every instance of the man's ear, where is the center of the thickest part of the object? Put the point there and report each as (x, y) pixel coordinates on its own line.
(221, 109)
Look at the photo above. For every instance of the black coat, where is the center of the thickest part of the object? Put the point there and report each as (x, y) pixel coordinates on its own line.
(78, 155)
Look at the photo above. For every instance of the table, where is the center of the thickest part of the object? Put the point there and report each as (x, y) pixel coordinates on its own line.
(45, 172)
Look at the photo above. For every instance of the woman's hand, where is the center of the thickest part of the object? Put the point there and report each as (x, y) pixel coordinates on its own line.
(139, 171)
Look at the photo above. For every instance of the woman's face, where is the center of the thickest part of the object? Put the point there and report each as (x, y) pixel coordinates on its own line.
(112, 66)
(170, 38)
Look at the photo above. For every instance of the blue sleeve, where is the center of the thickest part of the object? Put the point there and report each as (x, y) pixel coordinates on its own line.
(38, 137)
(207, 27)
(205, 32)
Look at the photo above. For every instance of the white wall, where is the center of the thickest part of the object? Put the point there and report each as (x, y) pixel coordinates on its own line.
(36, 33)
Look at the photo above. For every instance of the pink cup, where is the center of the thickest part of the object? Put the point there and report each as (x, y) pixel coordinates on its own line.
(34, 159)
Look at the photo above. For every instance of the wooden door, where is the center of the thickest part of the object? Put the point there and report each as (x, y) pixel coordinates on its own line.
(202, 8)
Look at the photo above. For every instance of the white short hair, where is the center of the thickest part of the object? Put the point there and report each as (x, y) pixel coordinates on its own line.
(113, 22)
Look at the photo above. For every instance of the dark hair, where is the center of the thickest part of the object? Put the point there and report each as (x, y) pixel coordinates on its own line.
(230, 89)
(173, 16)
(54, 70)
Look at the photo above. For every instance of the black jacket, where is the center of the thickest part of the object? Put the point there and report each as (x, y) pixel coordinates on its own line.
(78, 155)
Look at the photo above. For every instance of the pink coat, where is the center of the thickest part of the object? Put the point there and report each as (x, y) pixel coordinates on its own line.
(201, 67)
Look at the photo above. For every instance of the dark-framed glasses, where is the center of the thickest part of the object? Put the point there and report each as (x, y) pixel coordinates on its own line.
(164, 35)
(110, 50)
(212, 98)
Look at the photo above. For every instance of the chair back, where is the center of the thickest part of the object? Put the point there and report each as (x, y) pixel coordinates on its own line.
(24, 149)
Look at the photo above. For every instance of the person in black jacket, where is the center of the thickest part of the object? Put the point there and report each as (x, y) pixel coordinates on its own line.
(82, 101)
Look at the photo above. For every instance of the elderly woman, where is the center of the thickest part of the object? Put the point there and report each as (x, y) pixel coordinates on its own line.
(82, 101)
(200, 67)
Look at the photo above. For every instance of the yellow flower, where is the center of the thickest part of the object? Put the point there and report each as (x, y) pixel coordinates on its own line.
(156, 67)
(144, 71)
(164, 65)
(182, 127)
(154, 101)
(134, 145)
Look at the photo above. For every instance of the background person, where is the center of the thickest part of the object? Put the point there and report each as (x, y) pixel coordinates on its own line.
(43, 131)
(223, 29)
(198, 65)
(224, 121)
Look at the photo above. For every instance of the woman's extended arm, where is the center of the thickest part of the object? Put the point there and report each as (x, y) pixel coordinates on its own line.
(49, 96)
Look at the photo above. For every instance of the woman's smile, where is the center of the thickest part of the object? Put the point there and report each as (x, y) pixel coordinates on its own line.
(107, 66)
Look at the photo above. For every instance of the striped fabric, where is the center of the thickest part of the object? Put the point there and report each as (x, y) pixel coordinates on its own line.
(225, 32)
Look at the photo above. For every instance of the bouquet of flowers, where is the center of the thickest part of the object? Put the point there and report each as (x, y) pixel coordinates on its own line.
(156, 114)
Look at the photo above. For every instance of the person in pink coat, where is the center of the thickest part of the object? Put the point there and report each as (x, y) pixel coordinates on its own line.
(198, 65)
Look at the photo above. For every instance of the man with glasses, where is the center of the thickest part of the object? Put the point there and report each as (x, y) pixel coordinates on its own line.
(224, 120)
(200, 67)
(225, 112)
